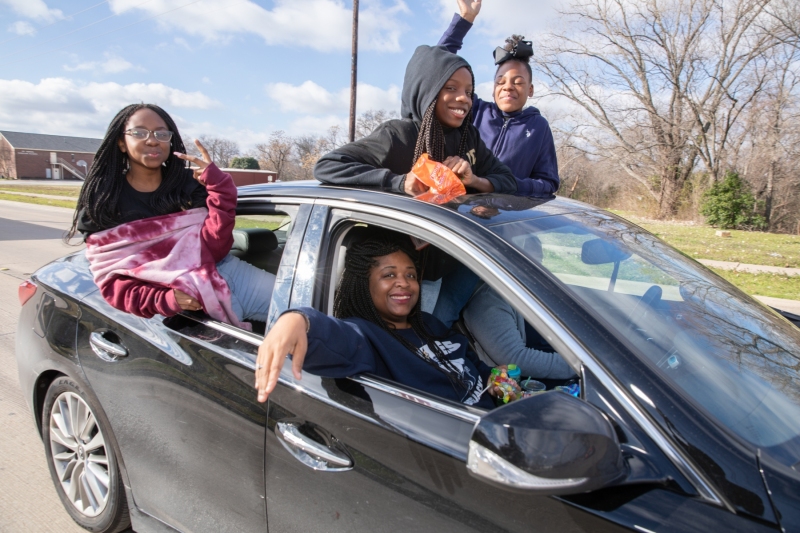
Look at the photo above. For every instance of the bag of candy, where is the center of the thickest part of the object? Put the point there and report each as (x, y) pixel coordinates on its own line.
(443, 182)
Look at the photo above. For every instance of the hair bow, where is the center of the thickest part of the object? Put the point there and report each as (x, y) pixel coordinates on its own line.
(521, 50)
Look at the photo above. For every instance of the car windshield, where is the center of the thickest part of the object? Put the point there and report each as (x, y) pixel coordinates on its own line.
(733, 356)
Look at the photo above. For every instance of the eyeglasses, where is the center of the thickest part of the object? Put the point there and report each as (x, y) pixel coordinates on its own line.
(142, 135)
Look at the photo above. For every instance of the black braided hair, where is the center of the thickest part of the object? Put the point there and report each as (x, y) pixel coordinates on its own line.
(431, 135)
(99, 195)
(511, 43)
(353, 299)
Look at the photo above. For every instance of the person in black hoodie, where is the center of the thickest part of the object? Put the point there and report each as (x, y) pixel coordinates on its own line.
(436, 119)
(379, 328)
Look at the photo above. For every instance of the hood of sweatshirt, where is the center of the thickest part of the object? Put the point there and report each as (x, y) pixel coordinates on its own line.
(428, 70)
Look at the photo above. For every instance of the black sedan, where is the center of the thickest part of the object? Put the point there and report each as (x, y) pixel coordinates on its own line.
(688, 417)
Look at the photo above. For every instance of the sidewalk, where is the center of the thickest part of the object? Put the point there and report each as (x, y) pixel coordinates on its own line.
(752, 269)
(37, 195)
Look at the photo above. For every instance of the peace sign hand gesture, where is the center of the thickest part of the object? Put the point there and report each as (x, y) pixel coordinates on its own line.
(201, 163)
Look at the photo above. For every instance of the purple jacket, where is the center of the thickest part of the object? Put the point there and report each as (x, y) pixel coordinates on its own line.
(523, 140)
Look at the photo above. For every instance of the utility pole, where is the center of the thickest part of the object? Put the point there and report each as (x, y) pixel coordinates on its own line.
(354, 73)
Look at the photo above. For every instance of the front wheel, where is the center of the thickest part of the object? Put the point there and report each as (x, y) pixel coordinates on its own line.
(81, 460)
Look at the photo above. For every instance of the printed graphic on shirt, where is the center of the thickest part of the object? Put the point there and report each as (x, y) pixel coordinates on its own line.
(527, 133)
(473, 394)
(471, 157)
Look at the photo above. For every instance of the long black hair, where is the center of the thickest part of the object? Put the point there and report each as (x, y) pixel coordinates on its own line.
(353, 299)
(430, 139)
(99, 197)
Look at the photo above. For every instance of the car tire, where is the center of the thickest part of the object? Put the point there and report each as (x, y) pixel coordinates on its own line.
(82, 462)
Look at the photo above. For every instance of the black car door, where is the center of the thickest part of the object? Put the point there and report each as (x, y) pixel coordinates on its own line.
(183, 409)
(367, 454)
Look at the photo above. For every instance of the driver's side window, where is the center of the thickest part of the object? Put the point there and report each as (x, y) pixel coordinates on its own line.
(457, 297)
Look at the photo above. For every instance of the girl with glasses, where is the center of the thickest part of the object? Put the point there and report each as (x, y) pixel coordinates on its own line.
(159, 234)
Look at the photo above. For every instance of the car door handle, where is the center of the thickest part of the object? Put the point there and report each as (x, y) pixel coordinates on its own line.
(309, 452)
(106, 349)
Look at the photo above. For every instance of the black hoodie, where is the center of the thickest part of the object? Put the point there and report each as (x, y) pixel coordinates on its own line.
(384, 157)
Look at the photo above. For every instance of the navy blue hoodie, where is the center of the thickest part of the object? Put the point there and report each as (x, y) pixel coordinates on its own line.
(341, 348)
(521, 140)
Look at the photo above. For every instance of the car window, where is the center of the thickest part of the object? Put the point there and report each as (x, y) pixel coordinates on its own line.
(496, 333)
(731, 355)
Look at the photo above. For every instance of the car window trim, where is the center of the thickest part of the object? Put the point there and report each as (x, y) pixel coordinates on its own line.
(536, 314)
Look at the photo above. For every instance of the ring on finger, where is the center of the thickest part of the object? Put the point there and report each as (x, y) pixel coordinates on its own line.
(259, 367)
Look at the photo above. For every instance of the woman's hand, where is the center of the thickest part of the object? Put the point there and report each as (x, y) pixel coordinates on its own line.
(495, 390)
(287, 336)
(463, 170)
(413, 186)
(186, 302)
(201, 163)
(469, 10)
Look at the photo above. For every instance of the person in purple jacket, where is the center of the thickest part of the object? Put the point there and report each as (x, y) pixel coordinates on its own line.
(518, 136)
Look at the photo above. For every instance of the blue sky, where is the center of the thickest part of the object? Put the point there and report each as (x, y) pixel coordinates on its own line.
(238, 69)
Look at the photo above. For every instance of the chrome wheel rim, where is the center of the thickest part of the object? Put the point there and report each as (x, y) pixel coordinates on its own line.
(79, 454)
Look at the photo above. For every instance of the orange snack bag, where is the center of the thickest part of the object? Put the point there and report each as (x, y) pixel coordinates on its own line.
(443, 182)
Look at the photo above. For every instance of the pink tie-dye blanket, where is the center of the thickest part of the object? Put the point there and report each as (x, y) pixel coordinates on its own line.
(165, 251)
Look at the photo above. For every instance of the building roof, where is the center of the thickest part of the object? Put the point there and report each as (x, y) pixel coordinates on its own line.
(53, 143)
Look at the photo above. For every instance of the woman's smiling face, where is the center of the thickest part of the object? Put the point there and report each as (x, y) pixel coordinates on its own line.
(148, 153)
(394, 288)
(455, 99)
(512, 87)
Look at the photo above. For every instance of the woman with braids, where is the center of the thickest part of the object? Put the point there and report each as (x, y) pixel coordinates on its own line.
(519, 136)
(378, 328)
(157, 233)
(435, 111)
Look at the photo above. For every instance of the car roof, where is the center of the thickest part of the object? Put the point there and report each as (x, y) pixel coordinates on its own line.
(487, 209)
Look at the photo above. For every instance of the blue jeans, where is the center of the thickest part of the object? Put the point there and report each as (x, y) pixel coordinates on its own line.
(251, 288)
(456, 290)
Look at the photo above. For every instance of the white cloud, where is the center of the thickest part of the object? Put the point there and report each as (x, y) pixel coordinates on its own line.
(312, 99)
(112, 65)
(22, 28)
(34, 9)
(322, 25)
(64, 106)
(500, 18)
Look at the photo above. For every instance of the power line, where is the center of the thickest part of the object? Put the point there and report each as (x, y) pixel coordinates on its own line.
(60, 20)
(70, 32)
(102, 34)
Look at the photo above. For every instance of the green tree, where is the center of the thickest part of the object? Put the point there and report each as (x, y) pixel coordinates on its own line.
(244, 162)
(729, 204)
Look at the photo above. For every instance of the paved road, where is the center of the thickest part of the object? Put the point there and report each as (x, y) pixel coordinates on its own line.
(29, 237)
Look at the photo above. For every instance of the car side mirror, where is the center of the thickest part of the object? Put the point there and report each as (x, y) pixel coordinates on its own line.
(551, 443)
(600, 252)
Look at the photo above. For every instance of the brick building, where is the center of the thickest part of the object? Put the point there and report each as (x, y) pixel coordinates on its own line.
(37, 156)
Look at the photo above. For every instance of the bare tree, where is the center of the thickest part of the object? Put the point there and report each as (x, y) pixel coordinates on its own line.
(660, 85)
(276, 153)
(6, 158)
(369, 120)
(221, 150)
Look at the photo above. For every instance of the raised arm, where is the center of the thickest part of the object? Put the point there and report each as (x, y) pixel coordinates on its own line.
(453, 37)
(217, 231)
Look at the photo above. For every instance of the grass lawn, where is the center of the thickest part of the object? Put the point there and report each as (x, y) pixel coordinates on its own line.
(774, 285)
(43, 189)
(35, 200)
(751, 247)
